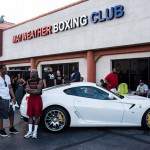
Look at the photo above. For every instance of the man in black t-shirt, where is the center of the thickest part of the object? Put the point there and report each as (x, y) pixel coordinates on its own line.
(49, 78)
(75, 76)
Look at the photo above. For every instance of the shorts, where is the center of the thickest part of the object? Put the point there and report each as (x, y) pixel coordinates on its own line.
(34, 106)
(5, 109)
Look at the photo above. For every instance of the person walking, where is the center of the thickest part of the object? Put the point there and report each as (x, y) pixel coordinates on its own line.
(6, 98)
(34, 104)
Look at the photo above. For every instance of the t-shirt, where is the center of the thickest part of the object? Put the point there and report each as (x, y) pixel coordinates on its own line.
(75, 76)
(142, 88)
(49, 77)
(123, 89)
(4, 87)
(112, 80)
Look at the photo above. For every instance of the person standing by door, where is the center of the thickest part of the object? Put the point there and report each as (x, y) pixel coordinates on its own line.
(49, 78)
(75, 75)
(6, 98)
(59, 78)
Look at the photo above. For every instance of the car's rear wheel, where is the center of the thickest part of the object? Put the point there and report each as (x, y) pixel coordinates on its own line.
(56, 119)
(146, 119)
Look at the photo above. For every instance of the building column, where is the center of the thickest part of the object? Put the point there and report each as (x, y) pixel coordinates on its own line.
(91, 67)
(33, 63)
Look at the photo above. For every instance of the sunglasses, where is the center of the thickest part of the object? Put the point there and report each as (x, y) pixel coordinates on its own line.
(5, 83)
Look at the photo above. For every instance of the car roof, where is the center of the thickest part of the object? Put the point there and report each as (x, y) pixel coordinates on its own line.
(82, 84)
(69, 85)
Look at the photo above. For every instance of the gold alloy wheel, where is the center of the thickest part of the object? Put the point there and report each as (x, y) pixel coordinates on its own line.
(148, 119)
(55, 120)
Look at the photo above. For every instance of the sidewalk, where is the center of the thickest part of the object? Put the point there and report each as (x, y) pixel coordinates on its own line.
(17, 119)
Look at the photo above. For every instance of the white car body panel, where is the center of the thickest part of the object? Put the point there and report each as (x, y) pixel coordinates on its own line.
(88, 112)
(106, 110)
(134, 116)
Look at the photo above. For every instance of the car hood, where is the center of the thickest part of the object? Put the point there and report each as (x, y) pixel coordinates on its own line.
(136, 99)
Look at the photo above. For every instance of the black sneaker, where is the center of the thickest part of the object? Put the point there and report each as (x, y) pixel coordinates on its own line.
(13, 130)
(3, 133)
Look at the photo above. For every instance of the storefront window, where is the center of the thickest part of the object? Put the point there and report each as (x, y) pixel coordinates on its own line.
(133, 70)
(22, 71)
(66, 69)
(25, 68)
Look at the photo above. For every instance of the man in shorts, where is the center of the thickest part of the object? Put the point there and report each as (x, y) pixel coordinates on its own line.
(34, 104)
(6, 97)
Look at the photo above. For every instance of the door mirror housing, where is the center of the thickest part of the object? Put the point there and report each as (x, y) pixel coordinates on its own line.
(111, 96)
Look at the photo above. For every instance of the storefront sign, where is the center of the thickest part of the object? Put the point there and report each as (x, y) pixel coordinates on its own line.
(77, 22)
(108, 14)
(32, 34)
(70, 24)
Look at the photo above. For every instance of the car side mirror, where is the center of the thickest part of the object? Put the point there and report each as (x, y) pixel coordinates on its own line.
(111, 96)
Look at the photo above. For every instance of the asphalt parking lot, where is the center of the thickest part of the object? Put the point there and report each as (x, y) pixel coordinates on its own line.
(78, 139)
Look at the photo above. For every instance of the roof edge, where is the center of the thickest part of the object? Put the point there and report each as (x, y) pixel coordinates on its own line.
(51, 12)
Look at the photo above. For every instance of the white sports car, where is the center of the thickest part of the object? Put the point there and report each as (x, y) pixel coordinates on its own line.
(85, 104)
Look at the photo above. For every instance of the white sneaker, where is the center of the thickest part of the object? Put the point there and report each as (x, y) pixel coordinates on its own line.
(28, 135)
(34, 135)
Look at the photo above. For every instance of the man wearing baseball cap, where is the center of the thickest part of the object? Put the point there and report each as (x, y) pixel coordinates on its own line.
(142, 89)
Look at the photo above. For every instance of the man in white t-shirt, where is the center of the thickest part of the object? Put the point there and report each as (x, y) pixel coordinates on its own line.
(6, 96)
(142, 89)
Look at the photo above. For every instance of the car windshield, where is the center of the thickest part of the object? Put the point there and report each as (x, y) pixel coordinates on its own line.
(116, 94)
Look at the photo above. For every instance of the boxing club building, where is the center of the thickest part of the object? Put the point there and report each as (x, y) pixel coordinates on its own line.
(93, 35)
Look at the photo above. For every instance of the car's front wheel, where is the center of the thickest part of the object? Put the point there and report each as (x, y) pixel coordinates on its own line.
(146, 119)
(56, 119)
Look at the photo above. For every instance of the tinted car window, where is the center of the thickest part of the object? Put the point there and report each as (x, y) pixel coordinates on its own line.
(88, 92)
(70, 91)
